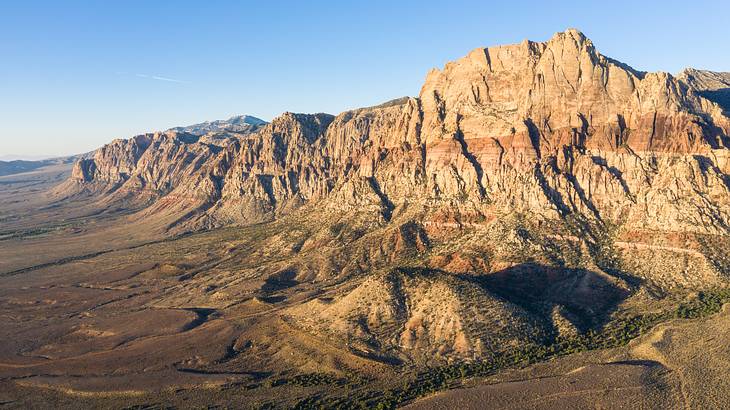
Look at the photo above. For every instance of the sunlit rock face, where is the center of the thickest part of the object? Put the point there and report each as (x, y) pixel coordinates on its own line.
(551, 129)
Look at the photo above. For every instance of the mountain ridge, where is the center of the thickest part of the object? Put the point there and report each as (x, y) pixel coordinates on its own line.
(479, 127)
(713, 85)
(236, 123)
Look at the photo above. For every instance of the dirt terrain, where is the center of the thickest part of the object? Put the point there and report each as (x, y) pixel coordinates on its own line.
(109, 324)
(680, 364)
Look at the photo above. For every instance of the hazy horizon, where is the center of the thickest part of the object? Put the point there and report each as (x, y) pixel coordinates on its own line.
(78, 76)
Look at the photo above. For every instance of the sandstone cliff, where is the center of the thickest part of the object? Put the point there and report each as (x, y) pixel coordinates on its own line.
(551, 128)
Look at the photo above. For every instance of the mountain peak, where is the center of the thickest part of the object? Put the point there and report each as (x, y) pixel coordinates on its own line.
(562, 85)
(238, 123)
(571, 33)
(245, 119)
(712, 85)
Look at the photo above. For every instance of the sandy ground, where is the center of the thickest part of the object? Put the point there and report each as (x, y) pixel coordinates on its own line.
(681, 364)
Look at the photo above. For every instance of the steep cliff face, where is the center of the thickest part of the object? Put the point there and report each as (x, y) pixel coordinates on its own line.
(274, 170)
(557, 125)
(712, 85)
(563, 92)
(153, 164)
(551, 129)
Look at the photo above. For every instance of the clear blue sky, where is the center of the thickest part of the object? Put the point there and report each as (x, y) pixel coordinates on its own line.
(74, 75)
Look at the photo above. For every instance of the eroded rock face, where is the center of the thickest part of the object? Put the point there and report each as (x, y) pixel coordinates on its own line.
(551, 129)
(712, 85)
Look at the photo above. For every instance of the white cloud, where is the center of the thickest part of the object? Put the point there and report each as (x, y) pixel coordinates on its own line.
(156, 77)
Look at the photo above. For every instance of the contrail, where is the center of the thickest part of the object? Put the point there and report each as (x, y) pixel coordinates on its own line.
(156, 77)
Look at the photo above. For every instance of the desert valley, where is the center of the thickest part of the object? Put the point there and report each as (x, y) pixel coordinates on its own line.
(541, 227)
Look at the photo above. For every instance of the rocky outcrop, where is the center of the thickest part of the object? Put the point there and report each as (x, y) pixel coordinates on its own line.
(152, 163)
(712, 85)
(544, 96)
(551, 129)
(423, 316)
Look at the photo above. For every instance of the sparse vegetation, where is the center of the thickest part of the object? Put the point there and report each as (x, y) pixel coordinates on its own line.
(706, 303)
(309, 380)
(618, 333)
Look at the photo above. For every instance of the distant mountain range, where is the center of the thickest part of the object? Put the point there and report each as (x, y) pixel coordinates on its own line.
(24, 157)
(16, 164)
(239, 123)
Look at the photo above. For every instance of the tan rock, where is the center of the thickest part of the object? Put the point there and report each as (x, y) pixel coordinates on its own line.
(551, 129)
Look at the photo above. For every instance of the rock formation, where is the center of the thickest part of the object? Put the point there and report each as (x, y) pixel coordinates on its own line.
(551, 129)
(523, 196)
(709, 84)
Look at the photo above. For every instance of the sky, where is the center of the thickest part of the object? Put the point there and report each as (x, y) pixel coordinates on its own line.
(75, 75)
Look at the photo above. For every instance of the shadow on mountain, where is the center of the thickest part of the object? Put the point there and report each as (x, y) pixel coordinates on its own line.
(589, 297)
(280, 281)
(721, 97)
